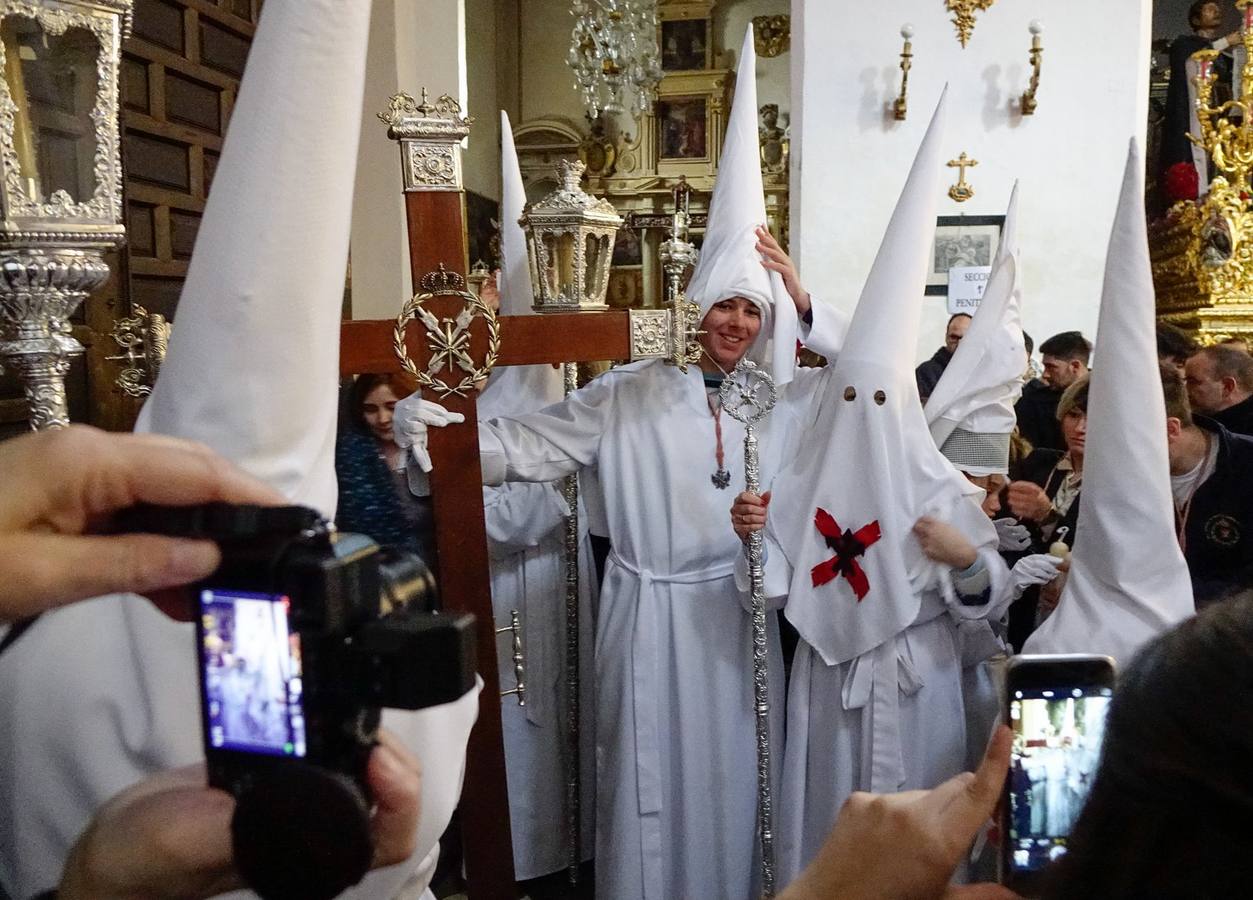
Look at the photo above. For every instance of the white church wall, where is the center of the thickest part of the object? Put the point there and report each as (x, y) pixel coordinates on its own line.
(850, 158)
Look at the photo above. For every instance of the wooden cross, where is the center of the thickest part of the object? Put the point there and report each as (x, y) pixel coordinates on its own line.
(430, 138)
(962, 191)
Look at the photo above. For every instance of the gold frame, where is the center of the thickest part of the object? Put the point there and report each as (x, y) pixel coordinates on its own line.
(714, 87)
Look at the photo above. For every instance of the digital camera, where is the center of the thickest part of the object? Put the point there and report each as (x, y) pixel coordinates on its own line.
(303, 634)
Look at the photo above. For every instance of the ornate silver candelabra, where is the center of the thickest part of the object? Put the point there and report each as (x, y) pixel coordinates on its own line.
(60, 182)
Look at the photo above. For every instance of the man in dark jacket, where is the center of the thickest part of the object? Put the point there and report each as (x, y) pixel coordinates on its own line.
(1220, 385)
(1210, 475)
(928, 373)
(1065, 357)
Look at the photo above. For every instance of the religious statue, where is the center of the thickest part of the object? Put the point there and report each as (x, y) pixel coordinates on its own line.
(774, 141)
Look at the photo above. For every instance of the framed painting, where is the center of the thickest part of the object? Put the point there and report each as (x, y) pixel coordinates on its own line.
(682, 128)
(685, 45)
(961, 241)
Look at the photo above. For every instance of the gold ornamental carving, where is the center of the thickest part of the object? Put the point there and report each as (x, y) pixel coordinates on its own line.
(448, 339)
(1202, 253)
(772, 35)
(964, 16)
(143, 337)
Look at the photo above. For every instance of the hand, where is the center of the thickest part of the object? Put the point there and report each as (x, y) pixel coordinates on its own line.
(1011, 536)
(1051, 591)
(489, 291)
(170, 836)
(1234, 39)
(778, 261)
(907, 845)
(748, 513)
(944, 543)
(61, 486)
(1027, 501)
(410, 421)
(1038, 568)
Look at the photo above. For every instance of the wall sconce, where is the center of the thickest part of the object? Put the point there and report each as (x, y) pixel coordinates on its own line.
(907, 54)
(1028, 103)
(60, 182)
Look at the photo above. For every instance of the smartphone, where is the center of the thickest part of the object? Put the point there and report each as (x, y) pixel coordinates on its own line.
(252, 687)
(1055, 706)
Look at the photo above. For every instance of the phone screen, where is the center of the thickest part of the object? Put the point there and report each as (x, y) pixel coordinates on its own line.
(252, 680)
(1057, 746)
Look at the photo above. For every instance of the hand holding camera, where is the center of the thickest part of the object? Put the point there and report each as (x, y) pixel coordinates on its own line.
(79, 536)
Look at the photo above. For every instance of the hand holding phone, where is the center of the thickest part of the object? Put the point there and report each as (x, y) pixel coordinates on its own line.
(1055, 706)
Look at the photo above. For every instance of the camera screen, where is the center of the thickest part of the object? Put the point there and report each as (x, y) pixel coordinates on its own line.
(1057, 745)
(252, 679)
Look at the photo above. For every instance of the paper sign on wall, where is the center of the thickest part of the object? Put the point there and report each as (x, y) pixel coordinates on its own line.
(965, 288)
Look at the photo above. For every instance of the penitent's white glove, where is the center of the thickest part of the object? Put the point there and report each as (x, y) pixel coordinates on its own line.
(1038, 568)
(1011, 535)
(410, 421)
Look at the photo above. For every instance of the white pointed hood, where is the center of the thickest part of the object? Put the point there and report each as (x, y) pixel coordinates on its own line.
(870, 462)
(515, 390)
(971, 411)
(254, 377)
(1128, 580)
(729, 264)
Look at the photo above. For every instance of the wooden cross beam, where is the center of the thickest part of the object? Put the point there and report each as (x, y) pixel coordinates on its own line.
(430, 136)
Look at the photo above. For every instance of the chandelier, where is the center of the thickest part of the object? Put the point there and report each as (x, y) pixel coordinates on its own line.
(614, 55)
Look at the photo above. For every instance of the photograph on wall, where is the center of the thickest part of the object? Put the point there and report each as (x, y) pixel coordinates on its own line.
(961, 241)
(682, 128)
(685, 45)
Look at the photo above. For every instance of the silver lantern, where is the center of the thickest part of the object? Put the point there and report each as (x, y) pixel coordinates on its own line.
(569, 242)
(60, 182)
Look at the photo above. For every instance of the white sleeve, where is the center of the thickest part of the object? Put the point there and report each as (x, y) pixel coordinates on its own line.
(520, 515)
(990, 580)
(549, 444)
(825, 334)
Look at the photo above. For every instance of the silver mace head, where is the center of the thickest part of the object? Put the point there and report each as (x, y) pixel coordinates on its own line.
(748, 393)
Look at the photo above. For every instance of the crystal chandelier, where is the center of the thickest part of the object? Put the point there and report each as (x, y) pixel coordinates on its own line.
(614, 54)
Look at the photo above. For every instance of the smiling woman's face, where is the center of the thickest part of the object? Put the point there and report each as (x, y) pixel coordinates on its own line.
(730, 327)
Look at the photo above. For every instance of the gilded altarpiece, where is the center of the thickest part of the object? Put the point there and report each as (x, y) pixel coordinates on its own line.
(1202, 250)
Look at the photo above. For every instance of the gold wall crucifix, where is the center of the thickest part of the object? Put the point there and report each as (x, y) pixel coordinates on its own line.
(962, 191)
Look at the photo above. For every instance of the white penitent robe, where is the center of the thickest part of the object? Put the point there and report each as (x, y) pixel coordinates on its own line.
(891, 719)
(526, 538)
(675, 747)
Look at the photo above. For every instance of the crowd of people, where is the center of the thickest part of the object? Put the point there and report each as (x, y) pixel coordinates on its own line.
(918, 526)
